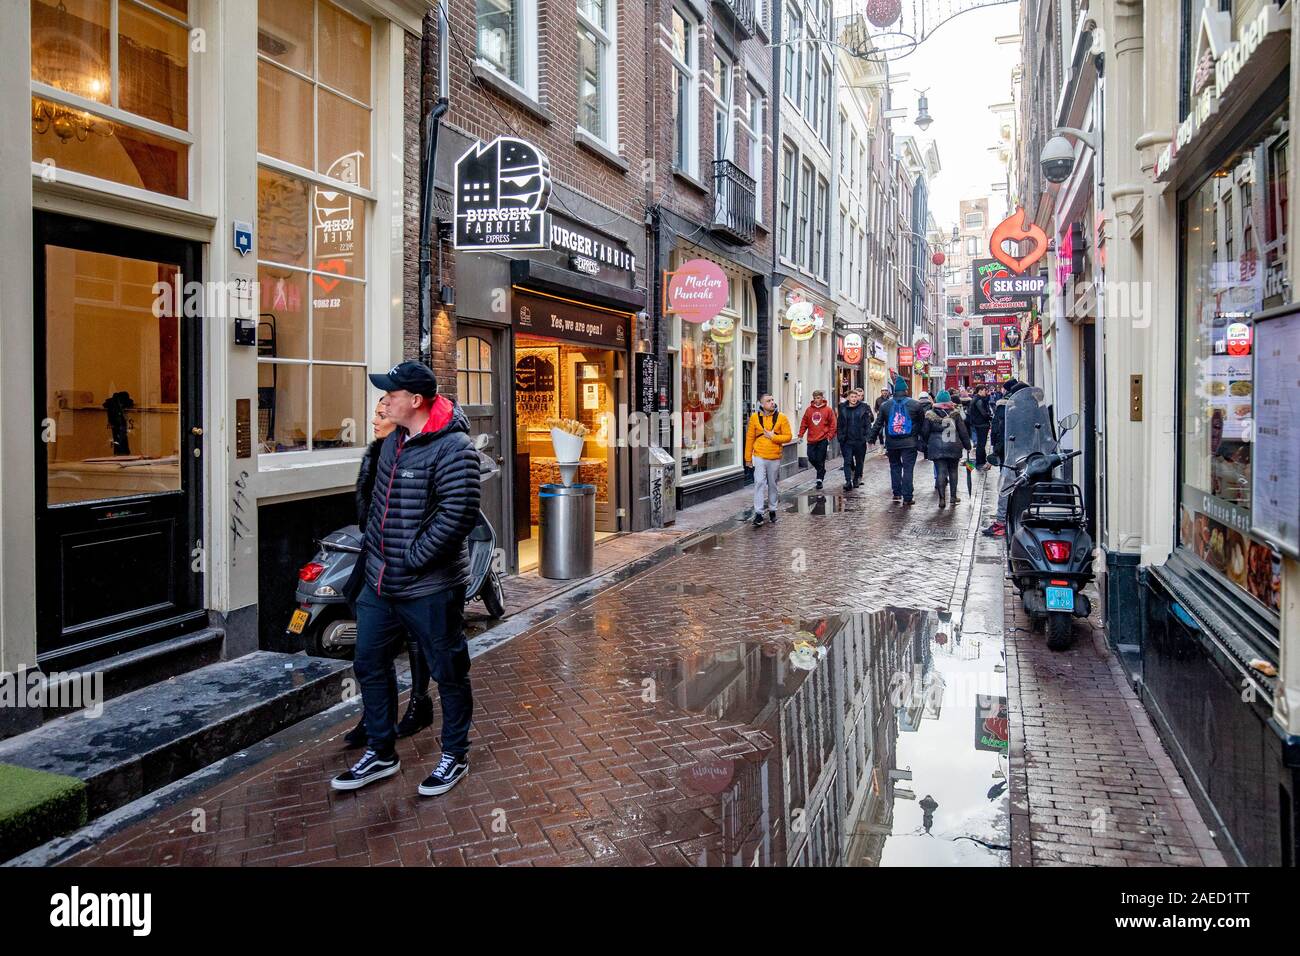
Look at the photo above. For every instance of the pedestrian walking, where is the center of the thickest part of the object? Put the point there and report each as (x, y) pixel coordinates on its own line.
(884, 396)
(854, 429)
(425, 503)
(819, 425)
(980, 418)
(419, 711)
(898, 425)
(927, 403)
(1007, 474)
(768, 432)
(946, 440)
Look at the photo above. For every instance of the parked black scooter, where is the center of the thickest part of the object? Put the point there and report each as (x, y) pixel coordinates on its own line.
(323, 620)
(1049, 551)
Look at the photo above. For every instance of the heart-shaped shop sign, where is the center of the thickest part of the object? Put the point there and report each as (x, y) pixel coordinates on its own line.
(1008, 231)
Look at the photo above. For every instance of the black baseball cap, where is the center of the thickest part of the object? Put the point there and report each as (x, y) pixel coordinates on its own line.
(414, 377)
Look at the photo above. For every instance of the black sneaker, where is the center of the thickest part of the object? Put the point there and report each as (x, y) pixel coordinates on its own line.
(419, 714)
(758, 519)
(356, 737)
(848, 486)
(371, 767)
(446, 775)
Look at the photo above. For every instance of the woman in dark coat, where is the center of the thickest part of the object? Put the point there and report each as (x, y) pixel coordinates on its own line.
(946, 439)
(419, 712)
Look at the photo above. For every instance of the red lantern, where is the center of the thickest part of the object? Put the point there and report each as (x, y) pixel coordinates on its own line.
(882, 13)
(937, 258)
(965, 323)
(959, 309)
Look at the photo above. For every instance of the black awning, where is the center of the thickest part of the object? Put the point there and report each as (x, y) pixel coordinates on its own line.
(543, 278)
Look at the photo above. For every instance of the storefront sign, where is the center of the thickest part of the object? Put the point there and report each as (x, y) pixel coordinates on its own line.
(1228, 65)
(1275, 470)
(243, 237)
(647, 383)
(502, 190)
(1069, 255)
(984, 301)
(1010, 338)
(1019, 229)
(1019, 286)
(697, 291)
(805, 320)
(979, 365)
(721, 329)
(904, 355)
(878, 351)
(923, 351)
(588, 252)
(852, 347)
(561, 319)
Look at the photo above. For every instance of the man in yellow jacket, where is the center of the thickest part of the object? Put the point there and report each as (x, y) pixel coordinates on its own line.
(768, 431)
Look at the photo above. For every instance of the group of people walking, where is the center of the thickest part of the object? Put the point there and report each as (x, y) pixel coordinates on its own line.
(942, 429)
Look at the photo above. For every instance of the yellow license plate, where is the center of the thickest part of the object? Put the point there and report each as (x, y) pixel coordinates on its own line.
(297, 622)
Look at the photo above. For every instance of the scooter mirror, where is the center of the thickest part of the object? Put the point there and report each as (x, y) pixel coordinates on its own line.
(482, 441)
(1069, 421)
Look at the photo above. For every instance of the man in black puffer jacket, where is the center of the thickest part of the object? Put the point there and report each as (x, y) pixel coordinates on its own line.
(425, 503)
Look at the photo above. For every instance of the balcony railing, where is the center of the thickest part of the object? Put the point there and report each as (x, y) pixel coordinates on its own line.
(744, 13)
(733, 201)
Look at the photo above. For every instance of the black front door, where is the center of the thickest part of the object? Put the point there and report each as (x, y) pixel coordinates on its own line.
(119, 442)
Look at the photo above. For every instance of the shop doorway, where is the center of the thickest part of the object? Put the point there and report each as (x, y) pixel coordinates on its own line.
(118, 454)
(557, 379)
(482, 391)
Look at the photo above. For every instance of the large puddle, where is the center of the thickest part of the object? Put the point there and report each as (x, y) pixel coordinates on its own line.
(880, 738)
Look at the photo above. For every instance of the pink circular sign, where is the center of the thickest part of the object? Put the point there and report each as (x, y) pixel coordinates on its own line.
(923, 351)
(697, 291)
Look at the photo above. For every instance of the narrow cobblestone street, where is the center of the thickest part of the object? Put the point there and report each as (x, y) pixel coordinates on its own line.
(670, 720)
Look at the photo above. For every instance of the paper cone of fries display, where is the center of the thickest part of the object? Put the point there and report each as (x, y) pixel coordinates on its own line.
(567, 437)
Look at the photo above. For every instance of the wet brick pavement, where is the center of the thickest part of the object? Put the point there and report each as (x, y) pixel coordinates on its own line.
(572, 766)
(1091, 784)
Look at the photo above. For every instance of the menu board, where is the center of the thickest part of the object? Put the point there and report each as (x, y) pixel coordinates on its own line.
(647, 384)
(1275, 476)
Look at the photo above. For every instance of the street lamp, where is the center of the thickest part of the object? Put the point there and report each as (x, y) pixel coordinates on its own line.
(923, 117)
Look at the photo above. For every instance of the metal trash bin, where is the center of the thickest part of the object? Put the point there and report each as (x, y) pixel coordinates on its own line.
(663, 487)
(566, 531)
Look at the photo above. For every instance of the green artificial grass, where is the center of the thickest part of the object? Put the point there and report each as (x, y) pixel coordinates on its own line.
(36, 806)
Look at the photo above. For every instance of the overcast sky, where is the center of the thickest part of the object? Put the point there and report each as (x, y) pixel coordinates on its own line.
(966, 71)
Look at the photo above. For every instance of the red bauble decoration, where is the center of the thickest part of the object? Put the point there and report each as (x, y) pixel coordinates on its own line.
(965, 323)
(959, 309)
(883, 13)
(937, 258)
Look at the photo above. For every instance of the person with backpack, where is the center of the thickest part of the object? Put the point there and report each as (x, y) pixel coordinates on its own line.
(946, 440)
(854, 428)
(819, 425)
(1007, 475)
(899, 425)
(768, 432)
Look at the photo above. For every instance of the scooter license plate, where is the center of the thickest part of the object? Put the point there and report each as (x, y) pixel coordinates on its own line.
(297, 622)
(1060, 599)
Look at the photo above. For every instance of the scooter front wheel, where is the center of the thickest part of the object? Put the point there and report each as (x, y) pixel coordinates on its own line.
(494, 598)
(1060, 631)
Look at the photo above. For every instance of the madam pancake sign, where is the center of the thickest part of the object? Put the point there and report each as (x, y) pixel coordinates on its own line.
(697, 291)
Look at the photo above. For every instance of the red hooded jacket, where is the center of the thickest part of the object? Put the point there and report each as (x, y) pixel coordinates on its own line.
(818, 422)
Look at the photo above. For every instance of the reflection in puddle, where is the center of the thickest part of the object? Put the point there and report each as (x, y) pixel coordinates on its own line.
(890, 750)
(825, 504)
(705, 545)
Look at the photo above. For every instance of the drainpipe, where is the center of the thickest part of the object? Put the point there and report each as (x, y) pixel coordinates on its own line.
(432, 34)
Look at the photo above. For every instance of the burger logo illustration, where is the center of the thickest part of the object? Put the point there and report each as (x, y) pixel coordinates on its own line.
(502, 191)
(722, 329)
(804, 321)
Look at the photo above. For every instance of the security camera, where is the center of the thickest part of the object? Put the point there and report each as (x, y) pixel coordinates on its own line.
(1057, 159)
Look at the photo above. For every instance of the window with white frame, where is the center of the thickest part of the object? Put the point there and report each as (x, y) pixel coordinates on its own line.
(827, 102)
(954, 341)
(805, 251)
(598, 70)
(974, 220)
(724, 141)
(685, 100)
(794, 53)
(843, 274)
(972, 246)
(314, 143)
(821, 230)
(786, 225)
(757, 112)
(507, 40)
(110, 85)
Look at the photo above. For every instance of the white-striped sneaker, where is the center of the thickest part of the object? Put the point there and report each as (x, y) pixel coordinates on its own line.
(446, 775)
